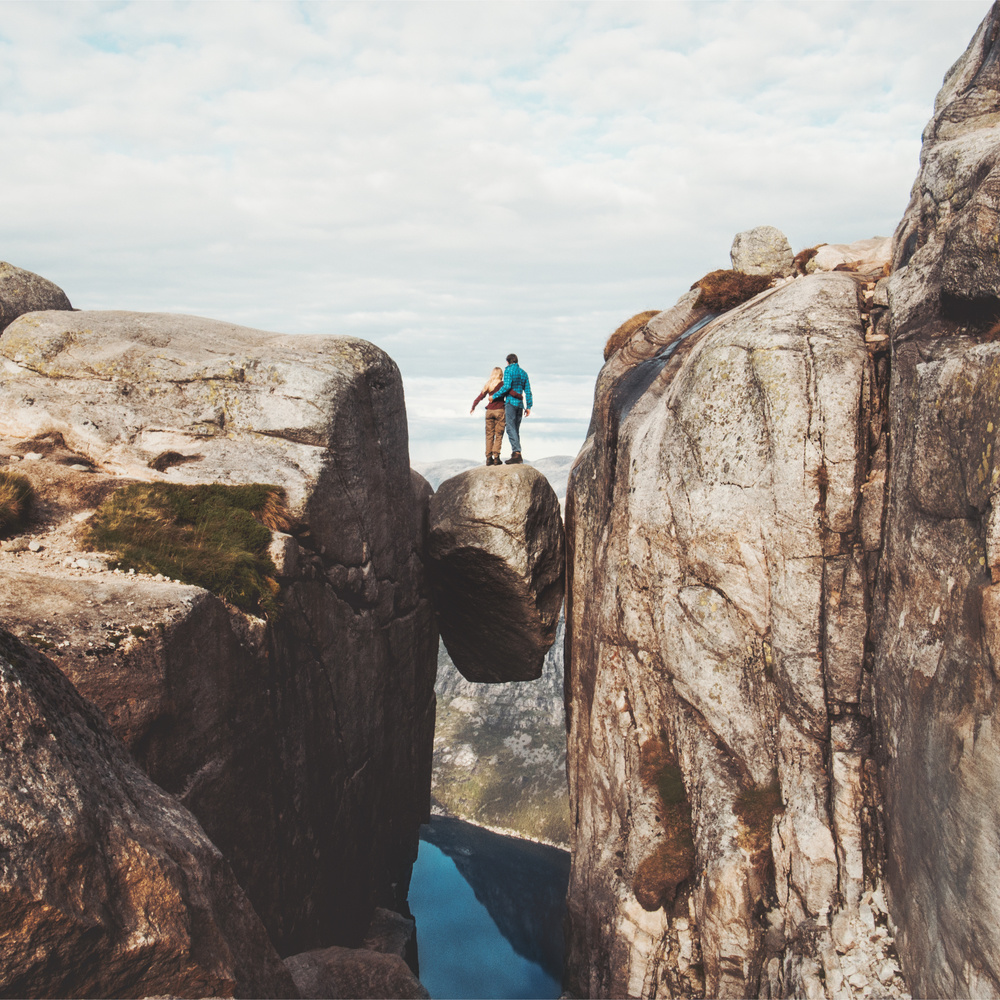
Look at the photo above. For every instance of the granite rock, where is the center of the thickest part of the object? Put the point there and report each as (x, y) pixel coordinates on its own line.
(108, 887)
(497, 563)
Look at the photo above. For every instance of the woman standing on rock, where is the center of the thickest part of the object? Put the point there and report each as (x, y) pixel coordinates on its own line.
(495, 422)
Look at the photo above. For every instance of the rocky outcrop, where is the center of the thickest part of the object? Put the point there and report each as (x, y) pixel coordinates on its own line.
(108, 886)
(354, 974)
(782, 614)
(303, 743)
(496, 556)
(762, 250)
(24, 292)
(718, 701)
(937, 653)
(871, 256)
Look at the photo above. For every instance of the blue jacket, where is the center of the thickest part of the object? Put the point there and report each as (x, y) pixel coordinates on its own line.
(516, 388)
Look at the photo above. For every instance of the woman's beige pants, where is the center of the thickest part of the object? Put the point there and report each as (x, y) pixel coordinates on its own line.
(495, 424)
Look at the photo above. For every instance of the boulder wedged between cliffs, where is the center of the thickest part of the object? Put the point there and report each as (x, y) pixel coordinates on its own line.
(496, 557)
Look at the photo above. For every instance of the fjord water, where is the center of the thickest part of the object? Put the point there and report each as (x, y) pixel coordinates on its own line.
(489, 913)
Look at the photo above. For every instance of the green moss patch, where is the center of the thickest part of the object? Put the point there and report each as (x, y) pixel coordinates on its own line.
(17, 498)
(212, 536)
(623, 334)
(659, 875)
(756, 808)
(724, 290)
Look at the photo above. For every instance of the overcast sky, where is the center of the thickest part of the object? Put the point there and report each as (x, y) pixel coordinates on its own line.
(452, 181)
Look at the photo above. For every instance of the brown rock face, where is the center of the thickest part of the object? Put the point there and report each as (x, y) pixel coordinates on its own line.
(302, 744)
(938, 652)
(354, 974)
(109, 887)
(497, 556)
(23, 292)
(717, 629)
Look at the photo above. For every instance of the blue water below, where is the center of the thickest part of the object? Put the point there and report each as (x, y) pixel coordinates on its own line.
(461, 949)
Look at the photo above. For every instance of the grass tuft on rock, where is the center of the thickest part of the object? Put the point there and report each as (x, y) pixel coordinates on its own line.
(724, 290)
(756, 808)
(672, 861)
(17, 499)
(213, 536)
(623, 334)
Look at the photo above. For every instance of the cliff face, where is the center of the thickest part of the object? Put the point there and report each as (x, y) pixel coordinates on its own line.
(717, 634)
(782, 619)
(302, 743)
(938, 641)
(109, 886)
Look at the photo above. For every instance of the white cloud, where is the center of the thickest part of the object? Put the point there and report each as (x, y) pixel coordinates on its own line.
(451, 181)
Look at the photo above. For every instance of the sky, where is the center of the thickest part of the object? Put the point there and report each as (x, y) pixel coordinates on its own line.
(452, 181)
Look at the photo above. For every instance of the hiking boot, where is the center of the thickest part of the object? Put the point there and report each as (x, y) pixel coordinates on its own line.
(489, 459)
(515, 459)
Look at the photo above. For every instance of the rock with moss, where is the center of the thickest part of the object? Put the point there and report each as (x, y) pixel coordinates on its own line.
(497, 565)
(24, 292)
(109, 887)
(762, 250)
(716, 635)
(290, 706)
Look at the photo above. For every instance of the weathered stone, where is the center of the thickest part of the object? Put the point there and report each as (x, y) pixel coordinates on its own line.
(391, 933)
(302, 744)
(354, 973)
(761, 250)
(866, 257)
(108, 887)
(497, 557)
(717, 612)
(24, 292)
(935, 675)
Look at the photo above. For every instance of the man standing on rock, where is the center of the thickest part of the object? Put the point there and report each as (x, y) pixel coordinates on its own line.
(516, 394)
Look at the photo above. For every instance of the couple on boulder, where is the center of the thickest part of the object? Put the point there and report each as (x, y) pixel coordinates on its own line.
(510, 399)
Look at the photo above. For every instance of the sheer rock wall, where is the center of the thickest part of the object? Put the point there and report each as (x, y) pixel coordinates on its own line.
(783, 620)
(303, 745)
(717, 629)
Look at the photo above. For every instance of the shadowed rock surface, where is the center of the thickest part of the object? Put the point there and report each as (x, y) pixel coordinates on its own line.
(496, 553)
(354, 974)
(938, 610)
(108, 887)
(24, 292)
(303, 744)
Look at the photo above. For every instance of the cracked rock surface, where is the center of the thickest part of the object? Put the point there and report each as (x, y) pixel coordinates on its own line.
(783, 619)
(718, 627)
(303, 744)
(937, 697)
(109, 886)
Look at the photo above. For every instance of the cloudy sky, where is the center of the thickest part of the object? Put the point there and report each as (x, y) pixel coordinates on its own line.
(452, 181)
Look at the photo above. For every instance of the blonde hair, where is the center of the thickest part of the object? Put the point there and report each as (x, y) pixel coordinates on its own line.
(494, 381)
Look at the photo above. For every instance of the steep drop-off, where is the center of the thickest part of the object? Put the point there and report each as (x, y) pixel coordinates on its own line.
(782, 618)
(302, 743)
